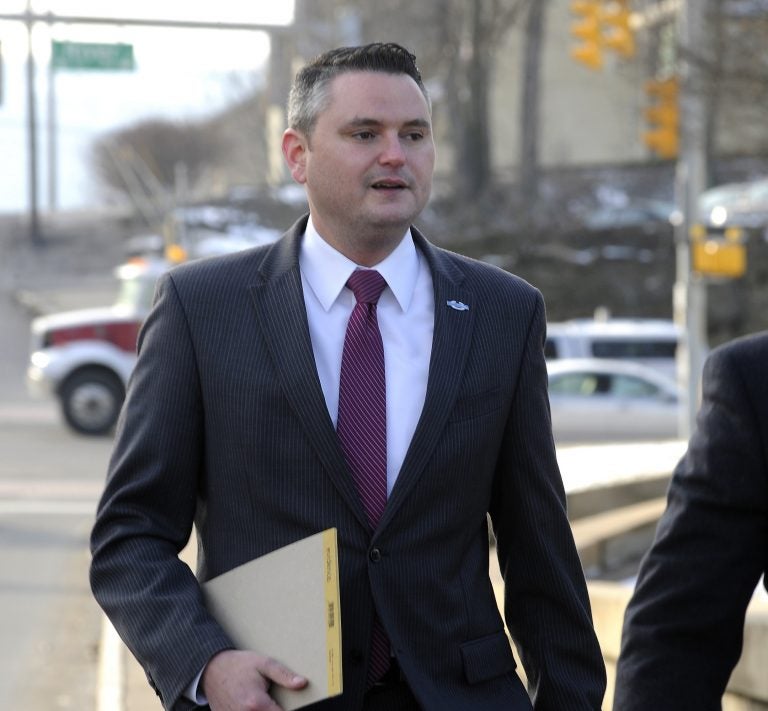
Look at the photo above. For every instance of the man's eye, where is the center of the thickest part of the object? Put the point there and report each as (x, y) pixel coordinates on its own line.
(364, 135)
(415, 136)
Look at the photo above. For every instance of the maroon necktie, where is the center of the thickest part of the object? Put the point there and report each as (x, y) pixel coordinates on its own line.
(362, 420)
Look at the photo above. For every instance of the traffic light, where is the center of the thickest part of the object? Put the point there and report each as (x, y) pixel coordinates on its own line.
(718, 256)
(589, 31)
(617, 33)
(663, 117)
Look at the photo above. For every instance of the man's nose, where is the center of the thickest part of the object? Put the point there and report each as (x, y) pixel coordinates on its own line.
(392, 151)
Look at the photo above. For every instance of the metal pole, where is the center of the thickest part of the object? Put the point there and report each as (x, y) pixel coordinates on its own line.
(34, 215)
(690, 310)
(53, 152)
(51, 18)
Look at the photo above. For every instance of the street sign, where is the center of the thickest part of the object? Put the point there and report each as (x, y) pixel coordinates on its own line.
(718, 256)
(92, 56)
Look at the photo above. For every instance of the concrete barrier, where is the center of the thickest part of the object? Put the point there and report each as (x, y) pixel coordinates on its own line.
(614, 539)
(616, 493)
(748, 687)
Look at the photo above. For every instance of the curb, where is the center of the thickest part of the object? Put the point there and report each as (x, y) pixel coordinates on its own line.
(110, 680)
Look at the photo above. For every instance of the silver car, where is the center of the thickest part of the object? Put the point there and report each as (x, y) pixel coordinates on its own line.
(597, 399)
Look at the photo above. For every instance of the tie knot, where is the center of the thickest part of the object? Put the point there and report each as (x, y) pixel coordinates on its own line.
(367, 285)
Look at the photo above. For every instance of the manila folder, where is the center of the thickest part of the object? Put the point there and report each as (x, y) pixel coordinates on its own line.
(285, 604)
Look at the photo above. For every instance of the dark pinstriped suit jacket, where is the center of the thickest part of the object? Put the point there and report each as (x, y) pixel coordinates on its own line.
(225, 425)
(684, 625)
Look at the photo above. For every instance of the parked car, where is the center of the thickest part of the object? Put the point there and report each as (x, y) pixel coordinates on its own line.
(651, 342)
(598, 399)
(735, 205)
(83, 358)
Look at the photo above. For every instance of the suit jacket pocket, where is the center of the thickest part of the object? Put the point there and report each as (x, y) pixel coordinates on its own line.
(487, 657)
(477, 405)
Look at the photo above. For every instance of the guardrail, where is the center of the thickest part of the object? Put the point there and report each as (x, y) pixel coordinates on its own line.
(611, 539)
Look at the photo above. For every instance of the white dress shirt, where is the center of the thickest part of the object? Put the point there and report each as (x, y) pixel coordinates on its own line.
(405, 313)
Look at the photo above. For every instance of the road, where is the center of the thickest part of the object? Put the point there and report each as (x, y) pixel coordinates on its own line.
(49, 483)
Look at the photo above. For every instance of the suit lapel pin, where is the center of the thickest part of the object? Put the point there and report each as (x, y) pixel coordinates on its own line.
(458, 305)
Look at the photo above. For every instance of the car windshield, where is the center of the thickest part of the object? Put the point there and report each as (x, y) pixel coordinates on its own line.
(634, 348)
(579, 384)
(585, 384)
(136, 293)
(628, 386)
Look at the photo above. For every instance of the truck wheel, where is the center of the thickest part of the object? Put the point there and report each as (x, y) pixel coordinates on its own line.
(91, 400)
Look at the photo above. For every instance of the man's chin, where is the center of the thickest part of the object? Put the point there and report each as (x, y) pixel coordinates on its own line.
(393, 215)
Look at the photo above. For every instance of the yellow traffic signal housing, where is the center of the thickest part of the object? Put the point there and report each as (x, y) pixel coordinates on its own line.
(665, 89)
(589, 55)
(619, 36)
(588, 30)
(662, 142)
(601, 25)
(717, 256)
(663, 117)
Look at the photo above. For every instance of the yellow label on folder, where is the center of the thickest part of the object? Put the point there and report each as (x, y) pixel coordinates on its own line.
(331, 563)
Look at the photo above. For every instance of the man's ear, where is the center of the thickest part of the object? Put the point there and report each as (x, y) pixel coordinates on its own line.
(295, 148)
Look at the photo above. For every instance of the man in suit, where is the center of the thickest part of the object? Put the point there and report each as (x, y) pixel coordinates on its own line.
(684, 624)
(233, 422)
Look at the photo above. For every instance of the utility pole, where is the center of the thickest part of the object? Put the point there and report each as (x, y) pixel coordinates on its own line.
(53, 152)
(531, 107)
(34, 208)
(689, 298)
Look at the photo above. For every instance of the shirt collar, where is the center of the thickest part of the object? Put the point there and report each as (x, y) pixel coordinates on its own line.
(326, 270)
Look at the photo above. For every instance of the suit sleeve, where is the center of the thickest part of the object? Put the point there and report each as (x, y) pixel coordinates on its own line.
(546, 602)
(146, 513)
(683, 627)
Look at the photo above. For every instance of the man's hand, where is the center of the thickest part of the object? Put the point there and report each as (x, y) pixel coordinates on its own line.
(239, 681)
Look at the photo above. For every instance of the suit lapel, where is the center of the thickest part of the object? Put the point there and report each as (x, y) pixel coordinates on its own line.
(451, 341)
(281, 314)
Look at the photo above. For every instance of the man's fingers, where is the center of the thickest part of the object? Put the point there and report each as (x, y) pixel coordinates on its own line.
(234, 680)
(279, 674)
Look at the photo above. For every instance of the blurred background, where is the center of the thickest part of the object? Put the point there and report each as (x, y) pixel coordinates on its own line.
(612, 152)
(561, 128)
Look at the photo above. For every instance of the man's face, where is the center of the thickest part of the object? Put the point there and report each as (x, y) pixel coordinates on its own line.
(368, 164)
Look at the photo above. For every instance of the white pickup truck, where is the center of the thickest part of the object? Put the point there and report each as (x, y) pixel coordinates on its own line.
(84, 357)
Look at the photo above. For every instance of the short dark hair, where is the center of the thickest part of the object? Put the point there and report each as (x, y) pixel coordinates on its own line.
(309, 94)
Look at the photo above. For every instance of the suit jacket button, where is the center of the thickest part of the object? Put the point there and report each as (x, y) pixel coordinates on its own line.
(374, 555)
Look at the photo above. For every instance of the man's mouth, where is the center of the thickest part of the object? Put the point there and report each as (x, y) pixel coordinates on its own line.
(389, 185)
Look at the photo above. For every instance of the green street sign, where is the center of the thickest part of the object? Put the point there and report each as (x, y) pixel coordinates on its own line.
(92, 56)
